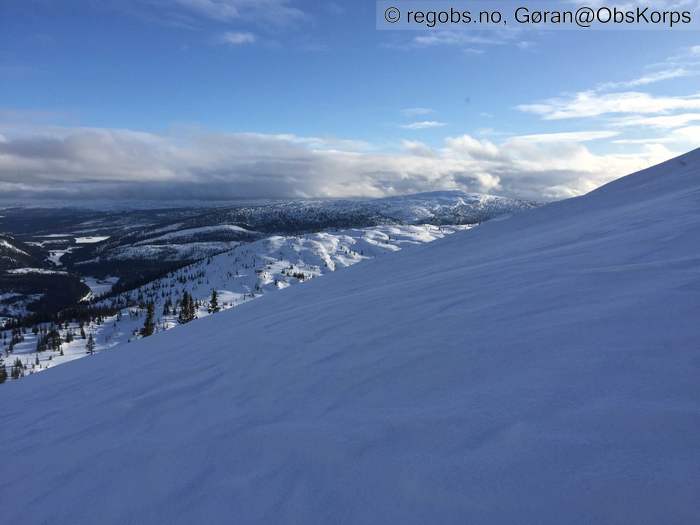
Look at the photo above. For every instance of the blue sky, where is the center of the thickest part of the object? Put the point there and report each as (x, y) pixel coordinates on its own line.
(308, 98)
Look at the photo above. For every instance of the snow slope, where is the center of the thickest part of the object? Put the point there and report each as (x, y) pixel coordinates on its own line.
(542, 369)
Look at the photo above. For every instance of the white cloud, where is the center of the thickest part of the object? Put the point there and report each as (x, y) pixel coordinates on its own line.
(685, 138)
(270, 11)
(572, 136)
(662, 121)
(61, 163)
(216, 9)
(459, 38)
(424, 124)
(237, 38)
(418, 149)
(651, 78)
(593, 104)
(416, 112)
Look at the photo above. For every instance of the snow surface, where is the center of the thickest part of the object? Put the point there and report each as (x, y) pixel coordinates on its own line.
(39, 271)
(99, 286)
(92, 239)
(542, 369)
(191, 232)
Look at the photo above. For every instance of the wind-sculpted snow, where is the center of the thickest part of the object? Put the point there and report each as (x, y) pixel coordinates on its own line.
(542, 369)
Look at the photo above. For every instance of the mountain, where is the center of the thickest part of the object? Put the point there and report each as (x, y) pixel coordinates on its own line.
(135, 247)
(541, 369)
(215, 230)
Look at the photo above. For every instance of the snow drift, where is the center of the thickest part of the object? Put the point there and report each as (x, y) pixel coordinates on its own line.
(540, 369)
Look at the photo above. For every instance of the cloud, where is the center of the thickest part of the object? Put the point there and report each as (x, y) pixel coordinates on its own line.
(592, 104)
(572, 136)
(686, 136)
(418, 149)
(651, 78)
(66, 163)
(270, 11)
(424, 124)
(216, 9)
(416, 112)
(662, 121)
(236, 38)
(459, 38)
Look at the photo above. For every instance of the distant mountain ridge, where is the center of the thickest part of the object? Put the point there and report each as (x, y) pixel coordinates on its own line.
(98, 244)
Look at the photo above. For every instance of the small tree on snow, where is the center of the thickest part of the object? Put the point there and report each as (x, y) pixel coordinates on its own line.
(149, 325)
(187, 309)
(90, 346)
(213, 303)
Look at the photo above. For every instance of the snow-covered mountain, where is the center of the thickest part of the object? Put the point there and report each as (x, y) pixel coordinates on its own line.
(215, 230)
(136, 246)
(542, 369)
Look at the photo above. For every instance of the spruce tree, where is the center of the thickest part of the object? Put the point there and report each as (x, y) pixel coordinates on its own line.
(187, 309)
(183, 316)
(213, 303)
(149, 325)
(17, 369)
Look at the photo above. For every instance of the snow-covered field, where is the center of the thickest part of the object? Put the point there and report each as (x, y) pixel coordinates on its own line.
(98, 286)
(541, 370)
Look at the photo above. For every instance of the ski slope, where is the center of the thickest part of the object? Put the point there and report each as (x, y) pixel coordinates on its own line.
(541, 369)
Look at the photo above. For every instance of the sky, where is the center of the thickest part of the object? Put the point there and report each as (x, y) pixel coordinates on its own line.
(221, 99)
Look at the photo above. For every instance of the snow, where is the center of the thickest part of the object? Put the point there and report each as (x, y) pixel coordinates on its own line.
(98, 286)
(55, 256)
(91, 239)
(40, 271)
(191, 232)
(542, 369)
(12, 248)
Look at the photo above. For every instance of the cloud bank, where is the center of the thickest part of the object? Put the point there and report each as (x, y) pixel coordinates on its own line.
(123, 164)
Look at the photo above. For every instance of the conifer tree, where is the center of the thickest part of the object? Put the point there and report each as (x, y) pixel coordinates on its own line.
(17, 369)
(90, 345)
(150, 324)
(213, 303)
(187, 309)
